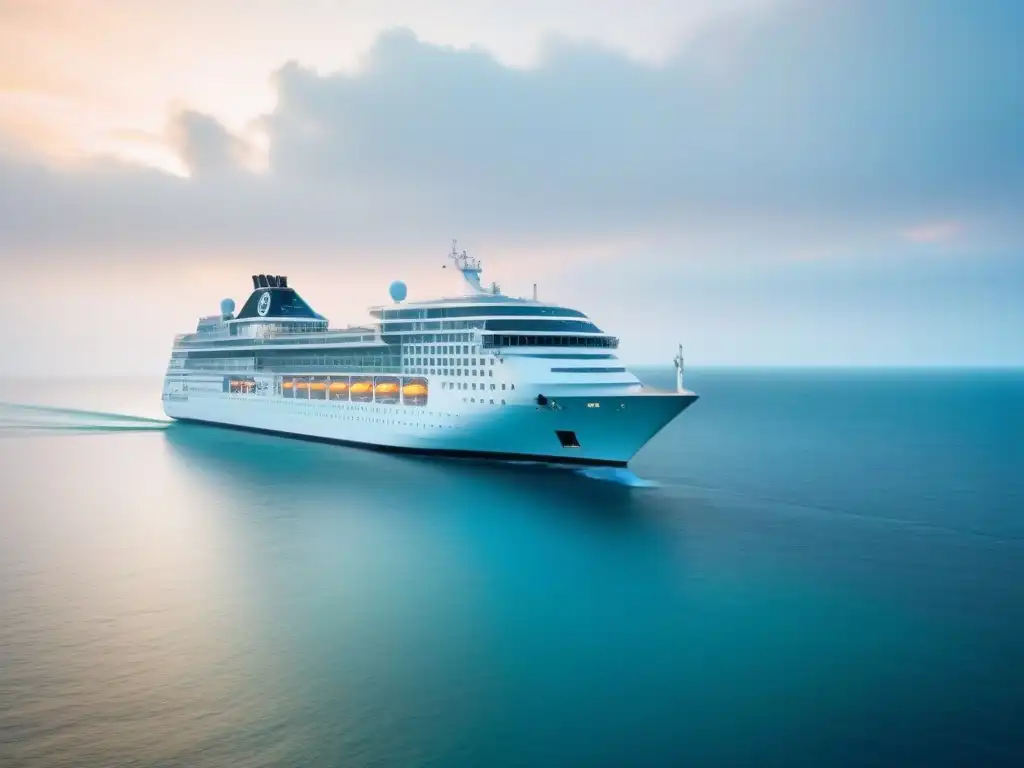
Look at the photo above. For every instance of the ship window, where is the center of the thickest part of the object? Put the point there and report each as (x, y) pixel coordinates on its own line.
(567, 438)
(542, 325)
(475, 311)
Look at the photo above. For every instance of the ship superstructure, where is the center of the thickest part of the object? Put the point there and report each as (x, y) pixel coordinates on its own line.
(480, 374)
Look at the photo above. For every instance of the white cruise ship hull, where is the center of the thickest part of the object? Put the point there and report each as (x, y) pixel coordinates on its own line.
(573, 428)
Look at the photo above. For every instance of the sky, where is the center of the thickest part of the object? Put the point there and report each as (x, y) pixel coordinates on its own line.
(767, 182)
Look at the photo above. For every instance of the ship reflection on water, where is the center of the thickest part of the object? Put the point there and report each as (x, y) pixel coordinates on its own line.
(300, 471)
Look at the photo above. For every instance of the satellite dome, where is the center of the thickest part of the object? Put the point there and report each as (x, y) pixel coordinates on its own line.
(227, 307)
(398, 290)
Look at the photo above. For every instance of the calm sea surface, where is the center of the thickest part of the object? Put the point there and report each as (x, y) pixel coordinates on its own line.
(827, 570)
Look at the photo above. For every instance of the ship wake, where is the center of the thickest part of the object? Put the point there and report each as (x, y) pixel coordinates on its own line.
(21, 419)
(618, 476)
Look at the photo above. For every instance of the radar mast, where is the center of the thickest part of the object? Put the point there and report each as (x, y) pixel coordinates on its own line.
(468, 266)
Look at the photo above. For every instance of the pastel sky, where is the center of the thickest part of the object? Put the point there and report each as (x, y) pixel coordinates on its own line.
(769, 182)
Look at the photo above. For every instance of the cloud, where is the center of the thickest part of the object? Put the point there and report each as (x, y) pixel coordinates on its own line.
(205, 145)
(808, 117)
(934, 232)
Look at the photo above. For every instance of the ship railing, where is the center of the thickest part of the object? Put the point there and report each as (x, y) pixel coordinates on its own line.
(327, 337)
(210, 368)
(275, 332)
(349, 329)
(296, 369)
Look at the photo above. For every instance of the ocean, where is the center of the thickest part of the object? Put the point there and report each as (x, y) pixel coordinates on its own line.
(806, 568)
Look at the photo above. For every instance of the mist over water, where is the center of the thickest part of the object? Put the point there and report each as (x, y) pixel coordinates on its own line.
(805, 568)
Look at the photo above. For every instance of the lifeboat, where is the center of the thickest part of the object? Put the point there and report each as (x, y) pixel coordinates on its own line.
(302, 385)
(339, 386)
(361, 387)
(414, 390)
(318, 386)
(286, 385)
(387, 388)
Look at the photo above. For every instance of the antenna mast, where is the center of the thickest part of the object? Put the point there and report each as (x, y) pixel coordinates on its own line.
(679, 369)
(468, 266)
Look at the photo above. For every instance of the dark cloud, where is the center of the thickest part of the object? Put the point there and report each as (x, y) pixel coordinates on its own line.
(877, 112)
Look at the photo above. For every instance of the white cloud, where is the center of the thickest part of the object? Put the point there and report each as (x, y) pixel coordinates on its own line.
(934, 232)
(777, 126)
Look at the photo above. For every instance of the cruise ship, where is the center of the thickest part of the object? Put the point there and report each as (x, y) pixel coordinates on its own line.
(479, 374)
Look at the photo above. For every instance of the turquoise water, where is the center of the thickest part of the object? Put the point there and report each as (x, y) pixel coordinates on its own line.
(820, 568)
